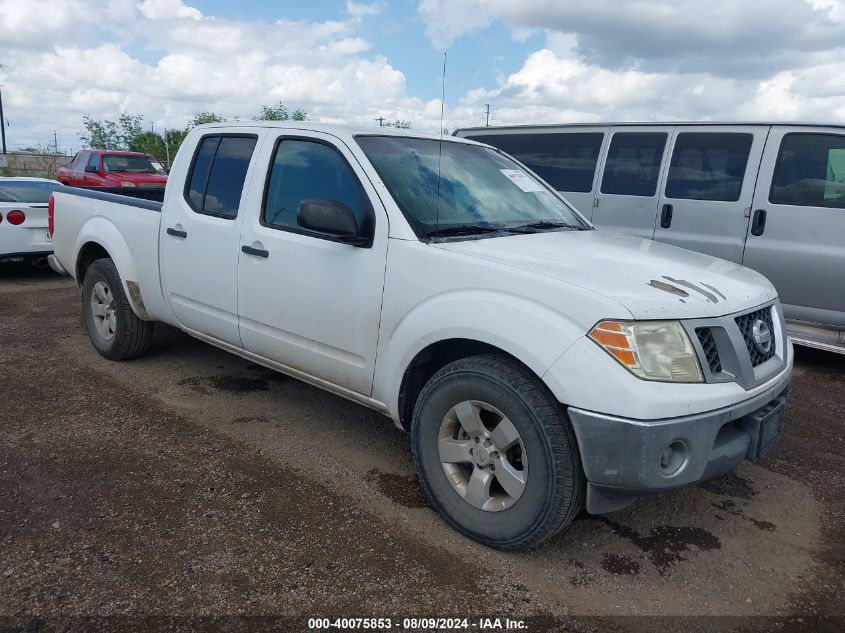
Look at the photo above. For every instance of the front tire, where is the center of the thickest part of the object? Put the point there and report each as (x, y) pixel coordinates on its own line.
(495, 453)
(113, 327)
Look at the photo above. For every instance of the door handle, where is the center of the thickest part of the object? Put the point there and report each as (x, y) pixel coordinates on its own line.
(758, 222)
(177, 232)
(666, 216)
(258, 252)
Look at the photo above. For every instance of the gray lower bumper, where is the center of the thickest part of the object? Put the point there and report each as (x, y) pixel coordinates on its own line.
(622, 457)
(56, 265)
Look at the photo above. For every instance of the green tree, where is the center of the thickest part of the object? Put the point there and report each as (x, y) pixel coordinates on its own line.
(174, 142)
(149, 143)
(279, 112)
(107, 134)
(205, 117)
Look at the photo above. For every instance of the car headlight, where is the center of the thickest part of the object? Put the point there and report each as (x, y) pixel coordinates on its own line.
(652, 350)
(126, 183)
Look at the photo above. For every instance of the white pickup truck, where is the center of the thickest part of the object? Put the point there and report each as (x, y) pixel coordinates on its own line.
(539, 365)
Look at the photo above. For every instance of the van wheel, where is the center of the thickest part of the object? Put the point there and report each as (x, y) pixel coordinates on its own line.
(115, 330)
(495, 453)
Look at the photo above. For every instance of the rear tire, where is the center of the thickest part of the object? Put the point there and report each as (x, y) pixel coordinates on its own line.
(495, 453)
(115, 330)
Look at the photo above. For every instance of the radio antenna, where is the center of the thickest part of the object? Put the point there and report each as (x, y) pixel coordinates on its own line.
(440, 144)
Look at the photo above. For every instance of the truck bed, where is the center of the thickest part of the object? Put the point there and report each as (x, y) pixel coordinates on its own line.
(125, 227)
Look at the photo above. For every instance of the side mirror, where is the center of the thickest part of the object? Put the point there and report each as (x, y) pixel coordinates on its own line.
(333, 219)
(91, 169)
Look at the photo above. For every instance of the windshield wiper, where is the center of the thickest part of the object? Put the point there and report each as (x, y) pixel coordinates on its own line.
(546, 225)
(463, 229)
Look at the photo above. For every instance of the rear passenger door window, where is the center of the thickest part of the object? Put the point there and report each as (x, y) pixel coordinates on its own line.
(632, 167)
(810, 171)
(707, 166)
(216, 180)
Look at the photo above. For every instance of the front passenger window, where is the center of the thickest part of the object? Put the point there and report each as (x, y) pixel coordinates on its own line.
(304, 170)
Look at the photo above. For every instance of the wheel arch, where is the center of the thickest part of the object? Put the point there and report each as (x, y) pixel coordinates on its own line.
(431, 359)
(91, 246)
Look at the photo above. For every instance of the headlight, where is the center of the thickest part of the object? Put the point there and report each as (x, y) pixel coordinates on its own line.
(652, 350)
(126, 183)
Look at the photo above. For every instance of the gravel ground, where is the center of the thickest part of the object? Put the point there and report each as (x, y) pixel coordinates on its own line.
(190, 489)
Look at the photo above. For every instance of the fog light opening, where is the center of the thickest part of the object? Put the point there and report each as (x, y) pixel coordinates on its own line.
(673, 458)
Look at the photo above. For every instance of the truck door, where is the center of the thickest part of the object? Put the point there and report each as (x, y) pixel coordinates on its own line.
(631, 172)
(305, 301)
(200, 236)
(705, 202)
(797, 234)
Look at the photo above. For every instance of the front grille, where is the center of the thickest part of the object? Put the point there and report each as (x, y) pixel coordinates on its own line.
(708, 344)
(745, 322)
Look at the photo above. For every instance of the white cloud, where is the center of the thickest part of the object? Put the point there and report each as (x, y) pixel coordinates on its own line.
(168, 10)
(165, 61)
(601, 60)
(359, 10)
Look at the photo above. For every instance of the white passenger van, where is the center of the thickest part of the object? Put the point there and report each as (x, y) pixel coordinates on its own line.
(769, 196)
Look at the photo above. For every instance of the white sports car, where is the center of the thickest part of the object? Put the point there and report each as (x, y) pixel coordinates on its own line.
(23, 219)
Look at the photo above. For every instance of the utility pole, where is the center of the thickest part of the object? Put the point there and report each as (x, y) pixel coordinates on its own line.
(55, 142)
(380, 120)
(152, 124)
(166, 149)
(487, 123)
(2, 124)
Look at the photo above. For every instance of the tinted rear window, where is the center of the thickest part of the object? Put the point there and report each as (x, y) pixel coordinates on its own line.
(708, 166)
(29, 192)
(565, 160)
(633, 163)
(810, 171)
(218, 174)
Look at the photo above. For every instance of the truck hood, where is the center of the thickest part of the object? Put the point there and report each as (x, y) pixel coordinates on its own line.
(651, 279)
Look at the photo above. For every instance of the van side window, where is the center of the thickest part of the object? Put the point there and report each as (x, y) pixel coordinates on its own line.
(217, 175)
(810, 171)
(708, 166)
(304, 170)
(567, 161)
(633, 163)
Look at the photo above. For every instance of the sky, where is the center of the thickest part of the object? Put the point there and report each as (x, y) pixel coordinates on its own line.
(352, 61)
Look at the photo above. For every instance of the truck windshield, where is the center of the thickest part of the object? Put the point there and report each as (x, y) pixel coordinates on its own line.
(131, 164)
(475, 192)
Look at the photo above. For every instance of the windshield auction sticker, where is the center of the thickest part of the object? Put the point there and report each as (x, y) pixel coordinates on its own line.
(522, 180)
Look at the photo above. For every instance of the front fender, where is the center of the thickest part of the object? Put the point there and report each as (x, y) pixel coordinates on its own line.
(101, 231)
(529, 331)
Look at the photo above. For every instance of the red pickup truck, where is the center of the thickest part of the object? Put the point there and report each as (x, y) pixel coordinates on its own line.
(109, 168)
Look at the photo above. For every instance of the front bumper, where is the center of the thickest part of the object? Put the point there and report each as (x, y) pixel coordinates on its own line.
(622, 457)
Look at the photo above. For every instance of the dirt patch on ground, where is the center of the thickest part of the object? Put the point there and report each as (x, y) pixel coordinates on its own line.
(401, 489)
(192, 484)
